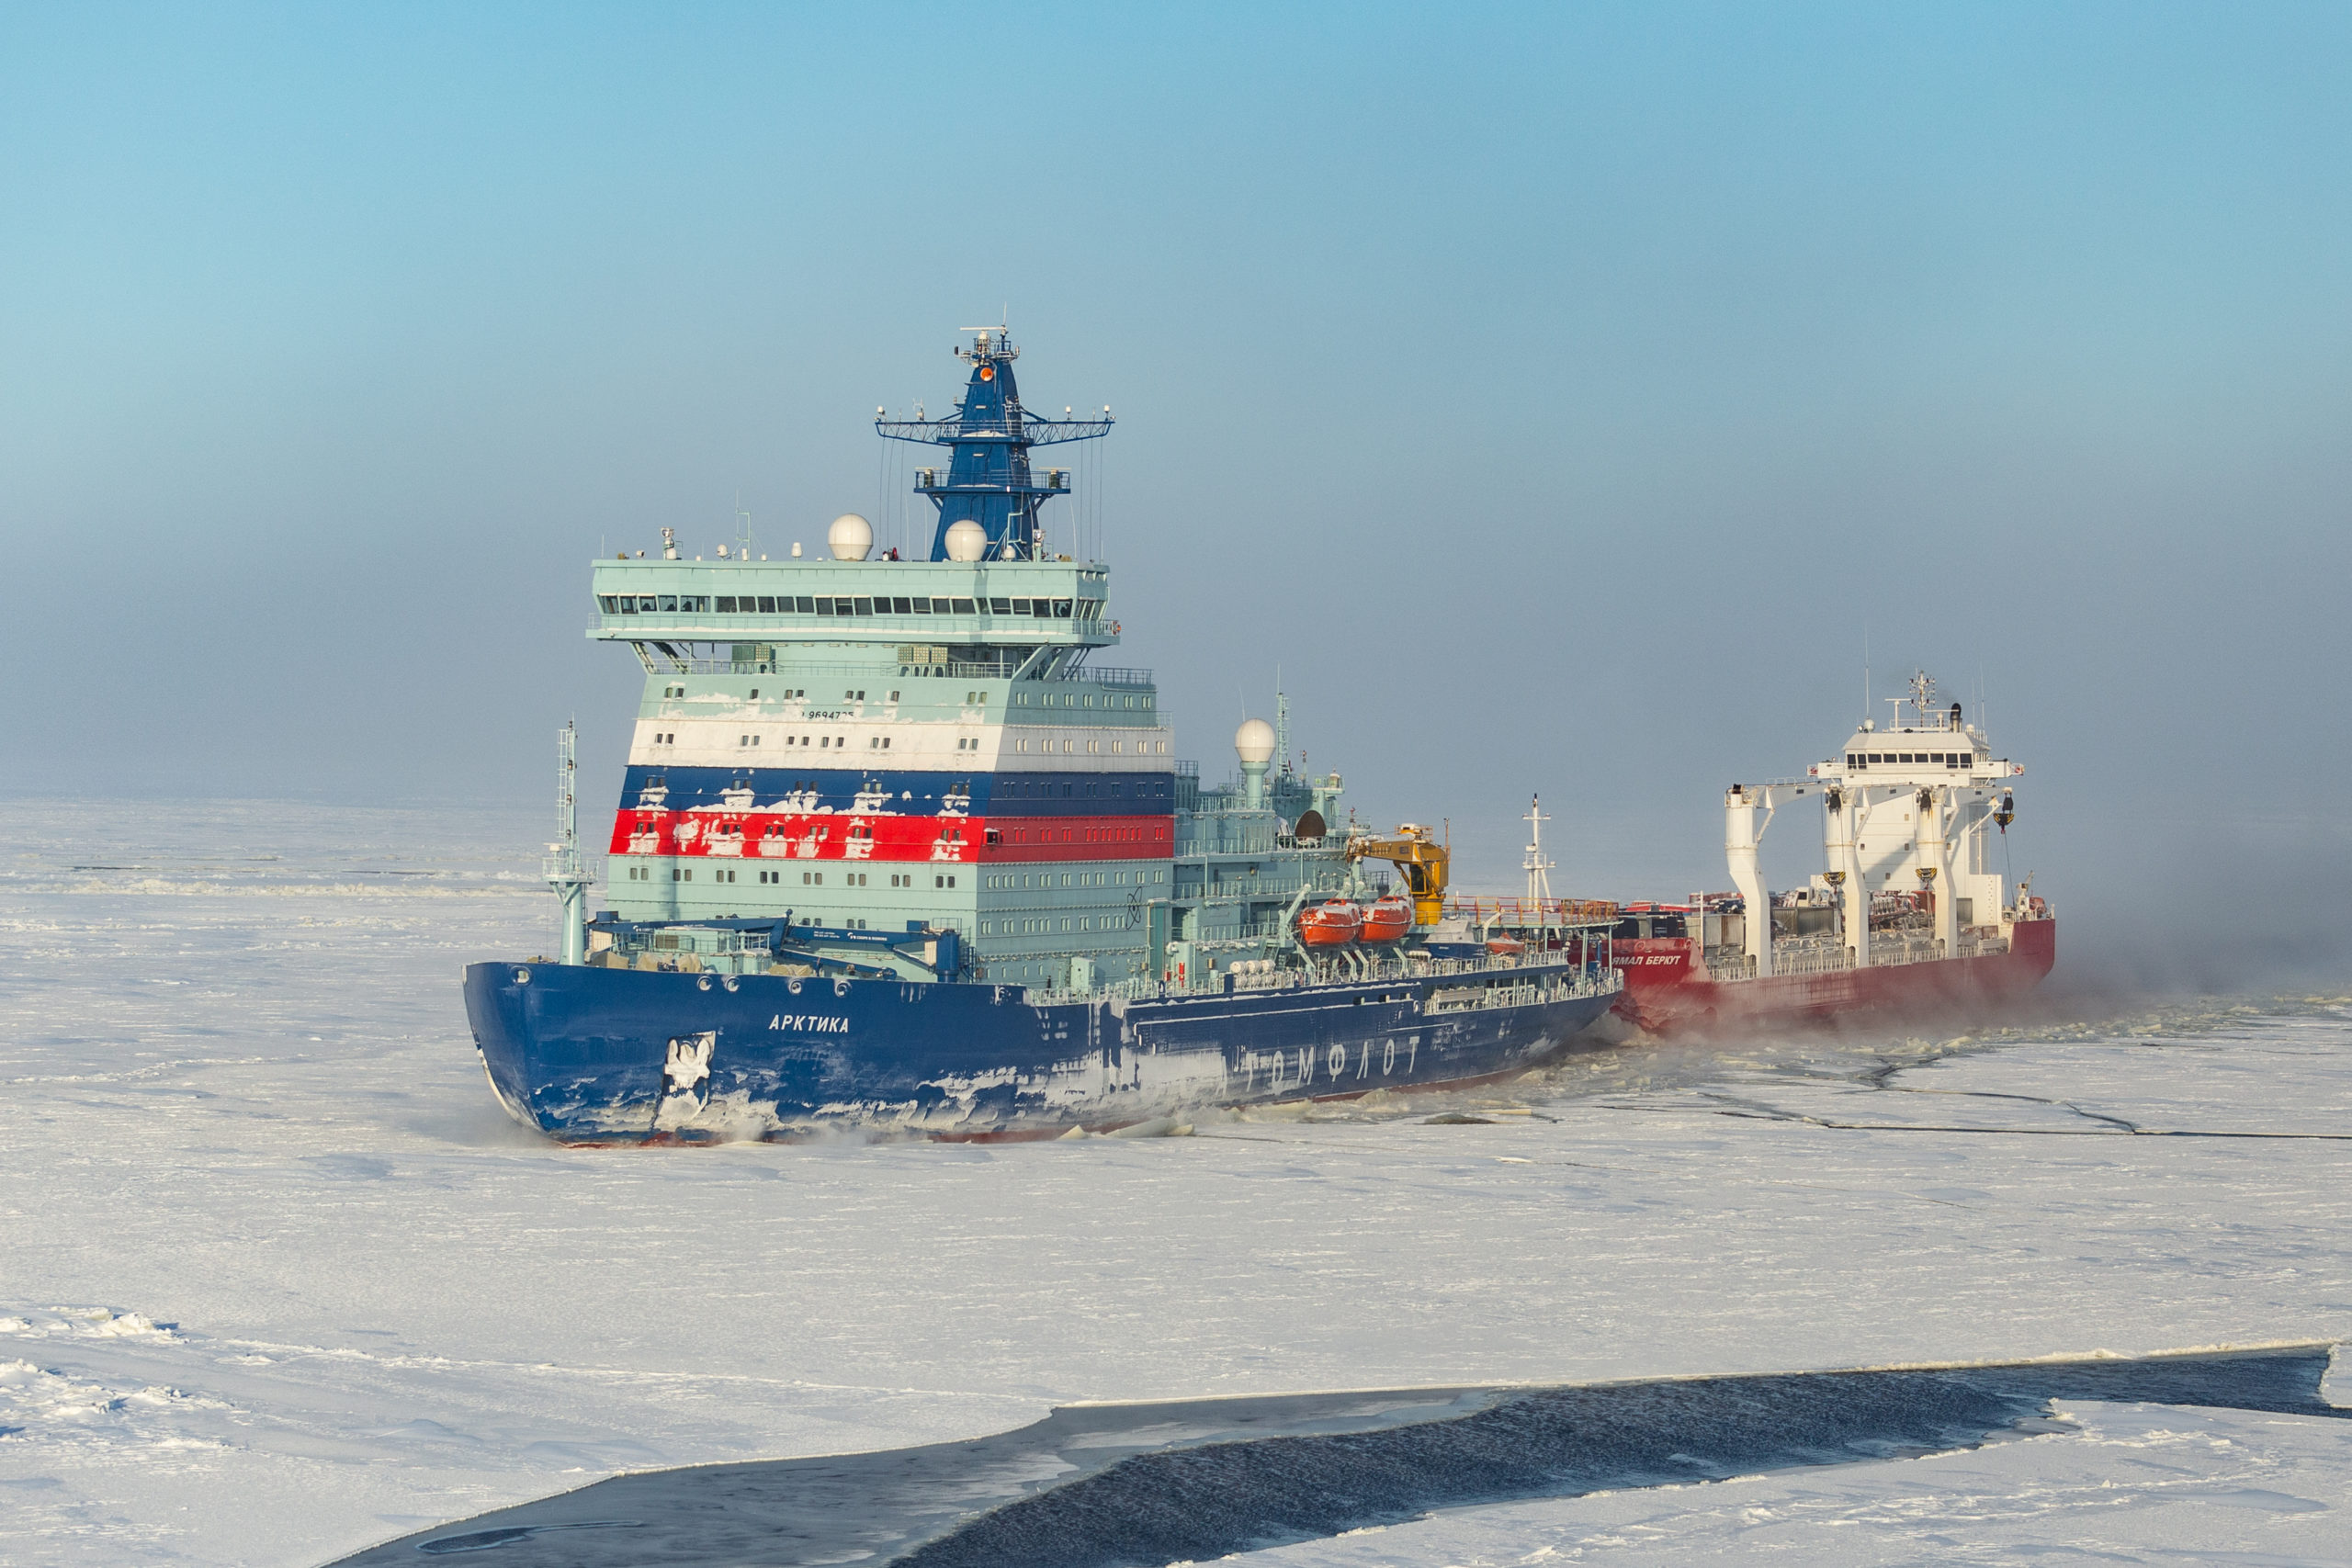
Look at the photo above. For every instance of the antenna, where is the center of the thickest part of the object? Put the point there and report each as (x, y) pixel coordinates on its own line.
(563, 868)
(1538, 869)
(1923, 696)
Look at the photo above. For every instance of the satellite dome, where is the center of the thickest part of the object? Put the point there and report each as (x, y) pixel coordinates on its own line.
(850, 538)
(967, 540)
(1255, 741)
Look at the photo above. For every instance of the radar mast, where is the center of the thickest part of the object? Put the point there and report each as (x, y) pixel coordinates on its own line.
(988, 480)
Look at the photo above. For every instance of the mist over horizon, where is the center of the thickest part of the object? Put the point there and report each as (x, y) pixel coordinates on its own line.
(1567, 404)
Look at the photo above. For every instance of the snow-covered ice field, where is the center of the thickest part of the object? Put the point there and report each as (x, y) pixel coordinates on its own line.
(279, 1280)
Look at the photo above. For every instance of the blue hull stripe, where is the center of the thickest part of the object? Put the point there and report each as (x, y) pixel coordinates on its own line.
(598, 1055)
(912, 793)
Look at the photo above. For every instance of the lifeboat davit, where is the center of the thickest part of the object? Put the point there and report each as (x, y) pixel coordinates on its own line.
(1333, 923)
(1386, 918)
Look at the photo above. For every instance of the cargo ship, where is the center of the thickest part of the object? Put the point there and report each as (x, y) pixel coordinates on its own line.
(897, 848)
(1911, 916)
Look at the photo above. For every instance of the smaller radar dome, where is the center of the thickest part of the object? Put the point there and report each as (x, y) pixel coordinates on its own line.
(967, 540)
(850, 538)
(1254, 740)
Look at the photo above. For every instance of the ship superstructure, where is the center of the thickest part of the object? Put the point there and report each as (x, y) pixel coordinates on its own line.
(1910, 912)
(919, 783)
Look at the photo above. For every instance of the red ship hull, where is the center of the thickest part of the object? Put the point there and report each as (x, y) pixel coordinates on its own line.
(1667, 992)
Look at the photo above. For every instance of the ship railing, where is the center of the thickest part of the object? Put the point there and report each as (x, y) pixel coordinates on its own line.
(983, 668)
(1514, 912)
(1816, 957)
(1558, 983)
(1801, 955)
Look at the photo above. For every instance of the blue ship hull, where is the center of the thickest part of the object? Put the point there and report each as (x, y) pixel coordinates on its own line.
(598, 1055)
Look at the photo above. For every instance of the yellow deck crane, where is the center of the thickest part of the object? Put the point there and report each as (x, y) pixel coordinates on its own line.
(1420, 858)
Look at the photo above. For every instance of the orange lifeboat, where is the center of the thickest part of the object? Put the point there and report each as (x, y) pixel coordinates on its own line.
(1505, 946)
(1333, 923)
(1386, 918)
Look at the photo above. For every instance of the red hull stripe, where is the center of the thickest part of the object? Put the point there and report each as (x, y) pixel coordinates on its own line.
(774, 836)
(1664, 995)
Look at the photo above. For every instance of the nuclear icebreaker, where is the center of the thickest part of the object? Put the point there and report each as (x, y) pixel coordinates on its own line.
(895, 848)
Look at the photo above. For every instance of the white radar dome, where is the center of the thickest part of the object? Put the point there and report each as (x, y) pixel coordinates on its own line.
(967, 540)
(851, 537)
(1254, 740)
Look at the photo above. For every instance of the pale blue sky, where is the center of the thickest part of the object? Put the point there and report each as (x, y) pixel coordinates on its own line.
(1554, 393)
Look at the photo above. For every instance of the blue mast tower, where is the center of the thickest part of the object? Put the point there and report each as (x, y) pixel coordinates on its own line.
(988, 480)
